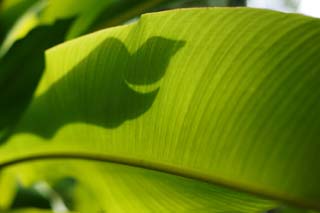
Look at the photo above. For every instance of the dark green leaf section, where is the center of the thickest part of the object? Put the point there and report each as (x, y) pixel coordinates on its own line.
(11, 14)
(27, 197)
(29, 210)
(237, 3)
(123, 10)
(20, 70)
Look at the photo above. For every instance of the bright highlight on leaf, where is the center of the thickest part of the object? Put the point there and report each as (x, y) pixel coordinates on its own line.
(215, 97)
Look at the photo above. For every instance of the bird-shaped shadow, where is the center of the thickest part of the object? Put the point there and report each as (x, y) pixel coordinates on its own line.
(99, 90)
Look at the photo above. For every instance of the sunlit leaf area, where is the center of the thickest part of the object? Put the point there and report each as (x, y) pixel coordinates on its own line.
(169, 106)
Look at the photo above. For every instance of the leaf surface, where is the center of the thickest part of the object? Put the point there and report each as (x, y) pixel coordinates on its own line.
(230, 96)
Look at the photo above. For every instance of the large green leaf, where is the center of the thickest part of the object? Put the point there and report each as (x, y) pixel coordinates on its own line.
(225, 96)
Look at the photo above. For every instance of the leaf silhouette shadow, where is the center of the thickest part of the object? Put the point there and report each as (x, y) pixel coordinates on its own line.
(102, 96)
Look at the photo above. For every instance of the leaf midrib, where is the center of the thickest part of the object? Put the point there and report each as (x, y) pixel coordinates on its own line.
(173, 170)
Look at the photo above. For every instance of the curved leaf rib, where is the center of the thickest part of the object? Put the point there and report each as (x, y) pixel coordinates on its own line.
(170, 169)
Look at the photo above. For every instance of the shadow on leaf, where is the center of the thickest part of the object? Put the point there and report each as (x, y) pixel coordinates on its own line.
(99, 89)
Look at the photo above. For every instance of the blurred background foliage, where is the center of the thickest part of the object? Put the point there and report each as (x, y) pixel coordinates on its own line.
(93, 15)
(19, 17)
